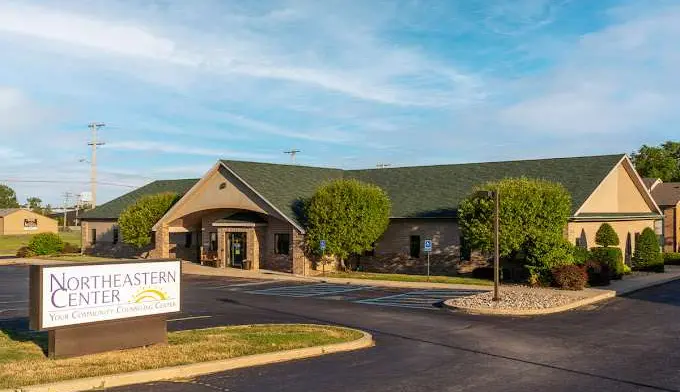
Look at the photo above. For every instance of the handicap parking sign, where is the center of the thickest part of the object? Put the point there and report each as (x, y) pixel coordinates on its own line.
(428, 246)
(322, 245)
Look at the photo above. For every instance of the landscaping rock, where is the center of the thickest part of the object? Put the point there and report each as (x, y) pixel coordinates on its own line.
(517, 298)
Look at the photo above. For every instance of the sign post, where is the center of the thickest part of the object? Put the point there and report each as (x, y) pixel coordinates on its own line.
(428, 250)
(93, 308)
(322, 246)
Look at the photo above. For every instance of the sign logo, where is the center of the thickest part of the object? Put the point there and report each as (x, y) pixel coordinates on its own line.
(31, 224)
(428, 246)
(322, 245)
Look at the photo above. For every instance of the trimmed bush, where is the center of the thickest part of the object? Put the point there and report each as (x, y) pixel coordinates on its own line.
(671, 258)
(598, 273)
(70, 248)
(570, 277)
(581, 255)
(46, 244)
(606, 236)
(647, 254)
(137, 220)
(25, 252)
(612, 257)
(627, 270)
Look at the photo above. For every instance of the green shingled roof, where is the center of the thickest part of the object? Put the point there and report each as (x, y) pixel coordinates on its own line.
(419, 191)
(424, 191)
(112, 209)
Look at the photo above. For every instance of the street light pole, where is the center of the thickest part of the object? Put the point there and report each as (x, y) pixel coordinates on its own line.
(496, 260)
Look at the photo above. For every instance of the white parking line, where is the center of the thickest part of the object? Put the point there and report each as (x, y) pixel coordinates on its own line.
(423, 299)
(14, 302)
(11, 309)
(314, 290)
(190, 318)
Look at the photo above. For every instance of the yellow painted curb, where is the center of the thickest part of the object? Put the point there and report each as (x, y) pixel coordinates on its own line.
(606, 294)
(196, 369)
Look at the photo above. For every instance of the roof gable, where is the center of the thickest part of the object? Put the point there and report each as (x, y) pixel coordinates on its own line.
(6, 211)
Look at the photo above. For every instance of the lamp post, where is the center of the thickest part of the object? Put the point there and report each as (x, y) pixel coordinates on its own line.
(496, 238)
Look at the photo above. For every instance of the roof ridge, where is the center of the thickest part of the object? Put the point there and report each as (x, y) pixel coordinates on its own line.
(619, 155)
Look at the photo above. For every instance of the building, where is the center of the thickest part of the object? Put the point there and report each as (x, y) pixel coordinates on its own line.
(667, 197)
(17, 221)
(250, 211)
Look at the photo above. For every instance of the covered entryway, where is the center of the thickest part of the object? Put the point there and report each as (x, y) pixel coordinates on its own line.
(242, 239)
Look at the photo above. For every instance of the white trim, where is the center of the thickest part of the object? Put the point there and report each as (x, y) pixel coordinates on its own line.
(205, 177)
(177, 229)
(640, 184)
(182, 200)
(300, 229)
(240, 224)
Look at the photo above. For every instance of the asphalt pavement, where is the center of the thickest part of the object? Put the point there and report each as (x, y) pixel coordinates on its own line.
(625, 344)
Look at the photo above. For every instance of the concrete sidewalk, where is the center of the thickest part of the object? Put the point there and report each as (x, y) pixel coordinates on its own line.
(635, 282)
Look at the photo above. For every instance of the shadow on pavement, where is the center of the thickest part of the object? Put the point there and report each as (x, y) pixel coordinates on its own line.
(17, 329)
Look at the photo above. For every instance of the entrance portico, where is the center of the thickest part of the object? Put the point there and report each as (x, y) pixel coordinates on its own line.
(222, 222)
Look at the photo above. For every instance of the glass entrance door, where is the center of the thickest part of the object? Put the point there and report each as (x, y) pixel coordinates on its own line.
(237, 249)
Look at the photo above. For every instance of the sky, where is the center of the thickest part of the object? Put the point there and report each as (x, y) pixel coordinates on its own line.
(181, 84)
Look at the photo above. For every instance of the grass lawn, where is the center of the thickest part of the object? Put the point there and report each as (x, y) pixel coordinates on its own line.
(22, 361)
(410, 278)
(9, 244)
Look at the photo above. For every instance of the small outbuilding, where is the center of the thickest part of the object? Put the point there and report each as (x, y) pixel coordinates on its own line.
(18, 221)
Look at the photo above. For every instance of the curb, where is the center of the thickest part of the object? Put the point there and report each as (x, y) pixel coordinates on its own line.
(626, 291)
(196, 369)
(606, 294)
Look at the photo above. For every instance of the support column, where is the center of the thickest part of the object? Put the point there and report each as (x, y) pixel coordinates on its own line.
(84, 236)
(301, 265)
(162, 245)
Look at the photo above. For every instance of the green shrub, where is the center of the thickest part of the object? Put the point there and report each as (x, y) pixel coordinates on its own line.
(627, 270)
(671, 258)
(612, 257)
(25, 252)
(647, 254)
(70, 248)
(606, 236)
(137, 220)
(581, 255)
(46, 244)
(569, 277)
(598, 273)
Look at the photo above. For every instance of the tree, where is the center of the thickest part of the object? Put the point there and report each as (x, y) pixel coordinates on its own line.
(8, 198)
(606, 236)
(659, 162)
(34, 204)
(349, 214)
(137, 220)
(533, 215)
(647, 255)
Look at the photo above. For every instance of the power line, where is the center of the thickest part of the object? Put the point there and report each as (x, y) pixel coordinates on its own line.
(94, 126)
(8, 180)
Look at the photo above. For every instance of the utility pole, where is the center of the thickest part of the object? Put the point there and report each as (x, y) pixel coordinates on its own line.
(94, 126)
(292, 154)
(67, 197)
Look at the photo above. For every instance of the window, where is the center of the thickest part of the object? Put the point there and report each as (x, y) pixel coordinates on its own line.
(415, 246)
(282, 243)
(188, 237)
(213, 241)
(115, 235)
(93, 236)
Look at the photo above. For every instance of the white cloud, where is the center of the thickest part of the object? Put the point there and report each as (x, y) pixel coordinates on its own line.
(18, 112)
(361, 66)
(617, 80)
(167, 148)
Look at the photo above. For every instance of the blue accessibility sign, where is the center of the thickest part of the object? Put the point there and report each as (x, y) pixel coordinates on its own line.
(428, 246)
(322, 244)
